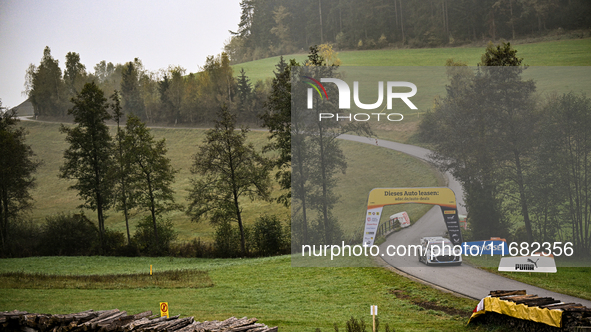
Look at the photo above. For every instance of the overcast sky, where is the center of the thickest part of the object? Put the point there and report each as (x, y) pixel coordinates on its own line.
(160, 33)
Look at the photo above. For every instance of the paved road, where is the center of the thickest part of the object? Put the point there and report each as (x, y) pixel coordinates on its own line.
(463, 279)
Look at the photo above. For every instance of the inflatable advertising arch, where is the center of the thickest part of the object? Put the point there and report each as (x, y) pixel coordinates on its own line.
(380, 197)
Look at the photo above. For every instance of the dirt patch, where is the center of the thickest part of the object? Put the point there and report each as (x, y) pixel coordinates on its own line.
(430, 305)
(164, 279)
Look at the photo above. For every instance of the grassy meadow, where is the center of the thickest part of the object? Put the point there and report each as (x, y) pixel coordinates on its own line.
(295, 299)
(430, 78)
(52, 195)
(573, 52)
(398, 170)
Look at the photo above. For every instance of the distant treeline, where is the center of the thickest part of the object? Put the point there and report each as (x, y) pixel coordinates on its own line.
(163, 96)
(277, 27)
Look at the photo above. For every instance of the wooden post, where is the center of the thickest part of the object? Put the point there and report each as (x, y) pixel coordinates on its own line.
(374, 312)
(150, 269)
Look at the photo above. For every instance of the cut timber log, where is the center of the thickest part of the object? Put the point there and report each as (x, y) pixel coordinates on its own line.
(501, 293)
(569, 316)
(118, 321)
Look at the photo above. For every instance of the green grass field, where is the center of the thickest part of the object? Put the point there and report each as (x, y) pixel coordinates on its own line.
(295, 299)
(574, 52)
(430, 78)
(52, 195)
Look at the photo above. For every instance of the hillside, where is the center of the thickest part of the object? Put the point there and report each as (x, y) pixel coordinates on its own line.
(574, 52)
(431, 76)
(52, 195)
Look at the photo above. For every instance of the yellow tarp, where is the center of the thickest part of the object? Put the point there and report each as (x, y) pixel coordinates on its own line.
(521, 311)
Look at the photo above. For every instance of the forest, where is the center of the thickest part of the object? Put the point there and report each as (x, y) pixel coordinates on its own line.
(170, 96)
(269, 28)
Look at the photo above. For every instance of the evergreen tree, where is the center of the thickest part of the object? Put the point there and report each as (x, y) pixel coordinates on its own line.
(47, 87)
(175, 93)
(277, 118)
(244, 95)
(166, 104)
(130, 89)
(325, 155)
(74, 74)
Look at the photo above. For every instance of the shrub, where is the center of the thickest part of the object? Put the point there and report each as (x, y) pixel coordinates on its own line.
(341, 41)
(383, 41)
(22, 241)
(145, 240)
(227, 240)
(354, 325)
(370, 44)
(68, 235)
(268, 236)
(194, 248)
(114, 242)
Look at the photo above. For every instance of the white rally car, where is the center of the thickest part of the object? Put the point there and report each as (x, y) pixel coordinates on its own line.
(437, 250)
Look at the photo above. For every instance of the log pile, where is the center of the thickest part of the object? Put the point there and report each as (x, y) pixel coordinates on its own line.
(574, 315)
(118, 321)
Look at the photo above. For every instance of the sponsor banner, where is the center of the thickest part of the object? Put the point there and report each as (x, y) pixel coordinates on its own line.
(485, 247)
(402, 218)
(452, 222)
(444, 197)
(528, 264)
(372, 220)
(392, 196)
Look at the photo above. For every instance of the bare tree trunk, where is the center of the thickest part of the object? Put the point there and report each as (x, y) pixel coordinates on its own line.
(512, 20)
(300, 184)
(396, 12)
(494, 28)
(242, 239)
(123, 183)
(152, 206)
(327, 235)
(302, 188)
(236, 204)
(320, 14)
(446, 18)
(522, 196)
(4, 218)
(402, 23)
(340, 17)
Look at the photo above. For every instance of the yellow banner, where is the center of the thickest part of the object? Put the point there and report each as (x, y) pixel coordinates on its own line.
(381, 197)
(521, 311)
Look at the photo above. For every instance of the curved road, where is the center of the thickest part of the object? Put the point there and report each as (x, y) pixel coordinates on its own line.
(464, 279)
